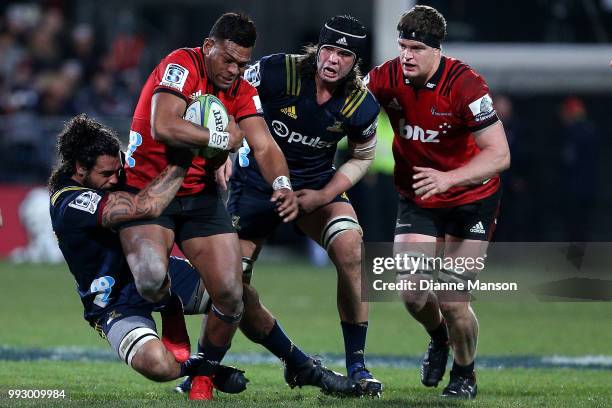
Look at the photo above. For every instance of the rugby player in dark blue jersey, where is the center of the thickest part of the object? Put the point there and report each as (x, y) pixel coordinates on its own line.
(84, 208)
(310, 103)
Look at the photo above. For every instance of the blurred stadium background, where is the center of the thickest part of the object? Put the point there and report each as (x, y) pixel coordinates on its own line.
(547, 63)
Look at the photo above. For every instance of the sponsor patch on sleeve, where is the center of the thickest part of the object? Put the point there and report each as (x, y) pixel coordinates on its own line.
(370, 130)
(257, 103)
(252, 75)
(482, 108)
(87, 201)
(175, 76)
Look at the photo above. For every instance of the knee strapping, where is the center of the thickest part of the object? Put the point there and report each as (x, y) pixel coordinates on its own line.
(229, 319)
(247, 267)
(450, 276)
(336, 227)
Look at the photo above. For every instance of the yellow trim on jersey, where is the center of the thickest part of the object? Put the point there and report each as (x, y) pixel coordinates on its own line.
(59, 192)
(294, 83)
(353, 101)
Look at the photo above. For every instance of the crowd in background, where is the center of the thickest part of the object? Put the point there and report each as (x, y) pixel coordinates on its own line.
(53, 67)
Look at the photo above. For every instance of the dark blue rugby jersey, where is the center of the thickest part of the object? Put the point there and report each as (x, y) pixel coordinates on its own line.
(306, 132)
(93, 253)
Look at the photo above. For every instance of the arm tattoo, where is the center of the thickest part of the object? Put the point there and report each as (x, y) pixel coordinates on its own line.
(148, 203)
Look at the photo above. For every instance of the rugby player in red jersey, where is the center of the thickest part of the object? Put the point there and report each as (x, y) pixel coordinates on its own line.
(197, 219)
(449, 148)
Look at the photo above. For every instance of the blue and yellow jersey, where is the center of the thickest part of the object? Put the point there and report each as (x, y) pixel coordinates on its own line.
(307, 133)
(93, 253)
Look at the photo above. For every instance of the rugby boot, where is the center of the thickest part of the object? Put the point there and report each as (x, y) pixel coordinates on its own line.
(461, 387)
(314, 373)
(201, 388)
(184, 386)
(225, 378)
(434, 362)
(174, 330)
(229, 379)
(366, 383)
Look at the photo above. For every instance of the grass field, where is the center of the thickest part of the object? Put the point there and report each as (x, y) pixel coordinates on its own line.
(40, 309)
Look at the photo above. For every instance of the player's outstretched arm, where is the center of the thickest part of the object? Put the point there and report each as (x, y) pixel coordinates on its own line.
(361, 156)
(151, 200)
(493, 158)
(169, 127)
(272, 163)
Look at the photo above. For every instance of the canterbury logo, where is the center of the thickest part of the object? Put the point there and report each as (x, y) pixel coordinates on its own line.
(290, 111)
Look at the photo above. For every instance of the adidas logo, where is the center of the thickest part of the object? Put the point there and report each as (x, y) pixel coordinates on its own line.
(289, 111)
(478, 228)
(342, 41)
(336, 127)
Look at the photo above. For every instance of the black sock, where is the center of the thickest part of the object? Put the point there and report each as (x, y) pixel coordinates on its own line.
(281, 346)
(172, 304)
(354, 342)
(440, 334)
(463, 371)
(211, 354)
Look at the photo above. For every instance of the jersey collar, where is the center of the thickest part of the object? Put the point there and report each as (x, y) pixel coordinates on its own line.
(435, 79)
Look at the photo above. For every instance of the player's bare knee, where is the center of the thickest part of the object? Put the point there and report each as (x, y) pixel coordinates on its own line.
(347, 252)
(414, 300)
(454, 311)
(151, 288)
(228, 300)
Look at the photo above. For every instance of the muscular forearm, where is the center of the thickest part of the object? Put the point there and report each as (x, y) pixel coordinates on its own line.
(148, 203)
(336, 186)
(486, 164)
(177, 132)
(271, 162)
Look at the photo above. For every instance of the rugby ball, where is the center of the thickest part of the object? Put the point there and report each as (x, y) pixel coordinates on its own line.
(207, 111)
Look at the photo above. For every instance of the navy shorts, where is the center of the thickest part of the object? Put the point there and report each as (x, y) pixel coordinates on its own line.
(253, 215)
(200, 215)
(475, 220)
(128, 323)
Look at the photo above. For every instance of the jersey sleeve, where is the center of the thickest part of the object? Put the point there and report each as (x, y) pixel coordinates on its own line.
(364, 121)
(380, 80)
(80, 208)
(372, 80)
(472, 102)
(268, 75)
(177, 74)
(247, 102)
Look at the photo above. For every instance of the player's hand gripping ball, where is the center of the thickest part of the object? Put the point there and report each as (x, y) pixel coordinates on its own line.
(208, 111)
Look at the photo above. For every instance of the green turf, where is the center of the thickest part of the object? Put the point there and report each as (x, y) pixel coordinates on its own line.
(109, 384)
(39, 307)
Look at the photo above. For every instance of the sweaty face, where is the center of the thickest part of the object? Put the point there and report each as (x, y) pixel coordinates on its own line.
(225, 61)
(334, 63)
(104, 175)
(418, 60)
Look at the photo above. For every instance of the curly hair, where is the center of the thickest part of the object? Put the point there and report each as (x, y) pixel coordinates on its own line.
(424, 19)
(83, 140)
(307, 68)
(235, 27)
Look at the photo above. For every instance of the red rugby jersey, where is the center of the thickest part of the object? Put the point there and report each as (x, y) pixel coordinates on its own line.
(182, 73)
(433, 125)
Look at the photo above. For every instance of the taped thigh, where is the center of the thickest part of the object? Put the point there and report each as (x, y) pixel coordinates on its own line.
(336, 227)
(128, 335)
